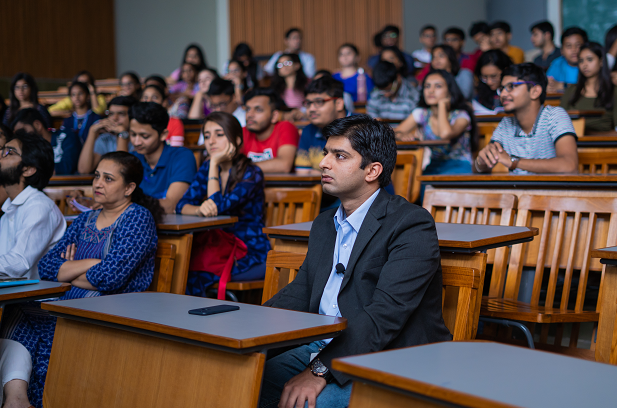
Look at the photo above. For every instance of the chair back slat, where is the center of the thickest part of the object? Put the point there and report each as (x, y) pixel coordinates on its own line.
(569, 272)
(597, 160)
(291, 205)
(164, 267)
(281, 269)
(552, 280)
(408, 166)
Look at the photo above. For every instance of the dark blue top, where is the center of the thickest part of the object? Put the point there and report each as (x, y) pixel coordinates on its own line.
(350, 85)
(42, 110)
(67, 146)
(81, 126)
(373, 60)
(176, 164)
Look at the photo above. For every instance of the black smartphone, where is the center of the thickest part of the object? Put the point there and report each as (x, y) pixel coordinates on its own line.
(205, 311)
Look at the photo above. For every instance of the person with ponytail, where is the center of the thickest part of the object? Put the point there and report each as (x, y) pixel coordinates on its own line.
(106, 251)
(227, 184)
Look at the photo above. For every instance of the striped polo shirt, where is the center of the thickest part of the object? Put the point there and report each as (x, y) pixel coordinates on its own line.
(551, 124)
(405, 101)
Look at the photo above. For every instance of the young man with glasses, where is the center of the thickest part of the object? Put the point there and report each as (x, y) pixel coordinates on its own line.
(455, 38)
(389, 37)
(393, 97)
(293, 45)
(428, 38)
(538, 138)
(221, 94)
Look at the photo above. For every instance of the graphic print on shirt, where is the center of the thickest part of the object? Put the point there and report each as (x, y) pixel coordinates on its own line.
(259, 157)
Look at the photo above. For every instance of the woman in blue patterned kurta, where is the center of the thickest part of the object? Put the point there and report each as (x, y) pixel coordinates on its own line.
(228, 184)
(107, 251)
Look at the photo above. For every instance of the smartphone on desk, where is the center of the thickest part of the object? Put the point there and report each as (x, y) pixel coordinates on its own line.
(206, 311)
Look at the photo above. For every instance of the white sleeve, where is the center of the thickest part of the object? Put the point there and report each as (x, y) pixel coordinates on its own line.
(308, 64)
(270, 65)
(15, 363)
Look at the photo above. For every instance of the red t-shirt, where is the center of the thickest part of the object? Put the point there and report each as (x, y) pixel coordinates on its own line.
(284, 133)
(176, 132)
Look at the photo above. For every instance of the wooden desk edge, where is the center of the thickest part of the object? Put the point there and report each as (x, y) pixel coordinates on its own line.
(603, 253)
(533, 231)
(58, 290)
(197, 224)
(339, 325)
(285, 232)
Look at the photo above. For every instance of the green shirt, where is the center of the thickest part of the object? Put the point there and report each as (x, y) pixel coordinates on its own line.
(604, 123)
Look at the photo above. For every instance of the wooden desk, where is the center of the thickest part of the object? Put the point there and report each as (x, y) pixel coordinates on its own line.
(597, 141)
(145, 350)
(178, 229)
(70, 181)
(292, 179)
(25, 293)
(476, 374)
(418, 144)
(606, 343)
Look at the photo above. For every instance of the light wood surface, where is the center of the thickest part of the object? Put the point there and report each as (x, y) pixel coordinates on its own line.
(281, 270)
(183, 244)
(292, 179)
(291, 205)
(521, 180)
(407, 168)
(76, 180)
(164, 267)
(417, 144)
(179, 222)
(606, 344)
(597, 160)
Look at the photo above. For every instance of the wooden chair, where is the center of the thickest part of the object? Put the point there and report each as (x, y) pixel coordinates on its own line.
(579, 126)
(164, 267)
(58, 195)
(569, 227)
(485, 132)
(408, 167)
(462, 289)
(597, 160)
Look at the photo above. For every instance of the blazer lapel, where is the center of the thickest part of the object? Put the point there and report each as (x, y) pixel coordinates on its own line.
(323, 265)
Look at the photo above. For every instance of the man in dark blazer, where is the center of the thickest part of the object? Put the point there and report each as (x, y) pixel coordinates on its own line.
(374, 261)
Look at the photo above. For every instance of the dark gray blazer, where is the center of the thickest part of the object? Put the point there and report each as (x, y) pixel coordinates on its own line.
(391, 292)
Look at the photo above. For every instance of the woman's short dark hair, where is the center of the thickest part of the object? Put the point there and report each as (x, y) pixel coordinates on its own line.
(157, 89)
(278, 82)
(605, 85)
(14, 104)
(151, 113)
(528, 72)
(374, 140)
(202, 57)
(36, 152)
(455, 67)
(132, 171)
(570, 31)
(351, 46)
(404, 69)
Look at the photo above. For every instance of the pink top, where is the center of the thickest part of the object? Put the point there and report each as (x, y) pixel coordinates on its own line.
(293, 98)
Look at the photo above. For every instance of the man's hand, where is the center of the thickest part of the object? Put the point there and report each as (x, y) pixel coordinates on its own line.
(493, 154)
(303, 387)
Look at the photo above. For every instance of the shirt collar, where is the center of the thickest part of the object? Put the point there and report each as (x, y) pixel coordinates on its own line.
(20, 199)
(357, 217)
(520, 131)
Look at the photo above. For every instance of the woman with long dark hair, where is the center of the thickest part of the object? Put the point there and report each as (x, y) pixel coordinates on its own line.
(130, 85)
(244, 54)
(289, 80)
(228, 184)
(488, 69)
(82, 116)
(193, 54)
(24, 93)
(444, 57)
(594, 89)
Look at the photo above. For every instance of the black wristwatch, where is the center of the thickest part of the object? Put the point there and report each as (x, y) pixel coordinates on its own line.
(320, 370)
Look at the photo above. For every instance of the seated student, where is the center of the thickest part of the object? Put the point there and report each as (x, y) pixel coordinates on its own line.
(594, 90)
(388, 37)
(537, 139)
(289, 80)
(32, 223)
(228, 184)
(500, 37)
(542, 34)
(65, 143)
(480, 34)
(238, 75)
(24, 94)
(455, 38)
(293, 45)
(610, 46)
(15, 369)
(106, 251)
(103, 135)
(350, 74)
(391, 293)
(428, 37)
(244, 54)
(187, 85)
(489, 68)
(442, 114)
(82, 117)
(168, 170)
(349, 105)
(393, 97)
(445, 58)
(222, 99)
(175, 127)
(97, 101)
(564, 70)
(200, 107)
(5, 135)
(130, 85)
(270, 142)
(193, 54)
(396, 56)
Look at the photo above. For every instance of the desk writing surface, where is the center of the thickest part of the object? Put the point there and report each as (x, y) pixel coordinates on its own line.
(301, 229)
(605, 253)
(492, 373)
(180, 222)
(167, 313)
(42, 288)
(74, 180)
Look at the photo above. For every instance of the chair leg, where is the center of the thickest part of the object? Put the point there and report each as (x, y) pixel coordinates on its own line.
(512, 323)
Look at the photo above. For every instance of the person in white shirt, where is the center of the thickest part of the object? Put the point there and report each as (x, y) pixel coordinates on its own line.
(15, 370)
(222, 99)
(32, 223)
(293, 45)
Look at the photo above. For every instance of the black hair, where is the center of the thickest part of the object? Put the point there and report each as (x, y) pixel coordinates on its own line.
(570, 31)
(392, 28)
(455, 67)
(84, 87)
(220, 86)
(35, 152)
(278, 82)
(3, 106)
(244, 50)
(132, 171)
(135, 78)
(528, 72)
(374, 140)
(276, 101)
(457, 101)
(203, 64)
(324, 72)
(157, 89)
(195, 69)
(384, 74)
(293, 30)
(327, 85)
(605, 85)
(545, 27)
(243, 69)
(6, 132)
(500, 25)
(151, 113)
(377, 40)
(501, 60)
(159, 80)
(610, 38)
(455, 31)
(14, 104)
(127, 101)
(404, 69)
(28, 116)
(349, 45)
(428, 27)
(478, 27)
(90, 78)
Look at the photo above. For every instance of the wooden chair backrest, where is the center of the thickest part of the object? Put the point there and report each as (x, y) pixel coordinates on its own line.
(164, 267)
(597, 160)
(290, 205)
(569, 227)
(191, 133)
(405, 172)
(58, 195)
(281, 270)
(579, 126)
(482, 209)
(485, 132)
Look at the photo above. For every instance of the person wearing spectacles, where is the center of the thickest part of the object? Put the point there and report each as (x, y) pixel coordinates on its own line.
(537, 138)
(289, 80)
(130, 85)
(388, 37)
(393, 97)
(428, 38)
(293, 45)
(489, 69)
(24, 94)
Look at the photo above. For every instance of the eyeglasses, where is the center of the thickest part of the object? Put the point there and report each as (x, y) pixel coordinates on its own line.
(284, 64)
(218, 106)
(6, 150)
(391, 35)
(511, 85)
(24, 87)
(486, 78)
(317, 102)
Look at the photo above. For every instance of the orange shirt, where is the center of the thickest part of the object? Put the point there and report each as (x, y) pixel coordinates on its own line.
(516, 54)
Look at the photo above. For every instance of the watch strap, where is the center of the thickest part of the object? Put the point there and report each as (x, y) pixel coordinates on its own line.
(514, 164)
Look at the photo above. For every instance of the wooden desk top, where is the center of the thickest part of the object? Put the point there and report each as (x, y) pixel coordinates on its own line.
(417, 144)
(301, 229)
(75, 180)
(606, 255)
(486, 374)
(292, 179)
(39, 290)
(506, 180)
(190, 223)
(252, 328)
(597, 141)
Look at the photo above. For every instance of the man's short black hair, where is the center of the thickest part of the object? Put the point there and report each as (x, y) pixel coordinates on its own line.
(159, 80)
(545, 27)
(327, 85)
(528, 72)
(293, 30)
(127, 101)
(501, 25)
(151, 113)
(391, 28)
(324, 72)
(455, 31)
(374, 140)
(36, 152)
(570, 31)
(220, 86)
(27, 117)
(384, 74)
(427, 27)
(478, 27)
(276, 101)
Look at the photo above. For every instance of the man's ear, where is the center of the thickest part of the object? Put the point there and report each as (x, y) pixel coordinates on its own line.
(276, 116)
(163, 135)
(535, 92)
(28, 171)
(339, 104)
(373, 171)
(38, 127)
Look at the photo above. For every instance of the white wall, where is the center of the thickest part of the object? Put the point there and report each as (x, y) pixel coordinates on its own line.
(151, 35)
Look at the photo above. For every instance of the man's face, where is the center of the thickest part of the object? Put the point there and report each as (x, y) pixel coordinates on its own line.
(515, 99)
(570, 48)
(259, 114)
(428, 38)
(455, 42)
(144, 138)
(119, 115)
(223, 103)
(11, 166)
(389, 39)
(499, 38)
(294, 41)
(537, 38)
(479, 38)
(341, 175)
(321, 108)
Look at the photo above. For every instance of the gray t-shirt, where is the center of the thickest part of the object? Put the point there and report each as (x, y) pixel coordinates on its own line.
(106, 143)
